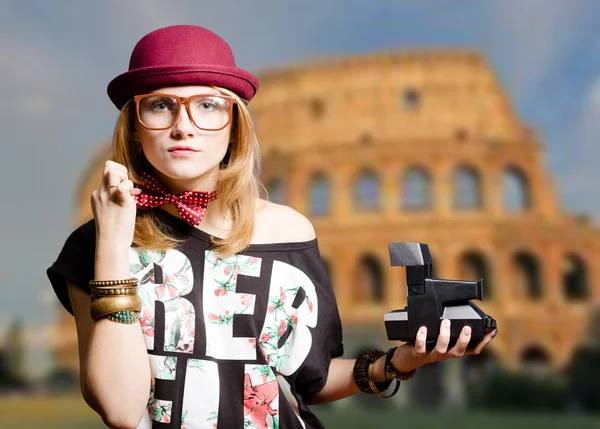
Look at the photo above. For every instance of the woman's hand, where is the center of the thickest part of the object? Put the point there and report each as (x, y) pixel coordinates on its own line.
(408, 357)
(114, 207)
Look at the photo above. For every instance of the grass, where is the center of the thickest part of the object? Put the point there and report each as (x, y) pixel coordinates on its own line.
(428, 419)
(70, 412)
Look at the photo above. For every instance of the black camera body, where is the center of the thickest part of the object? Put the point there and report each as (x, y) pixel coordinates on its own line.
(430, 300)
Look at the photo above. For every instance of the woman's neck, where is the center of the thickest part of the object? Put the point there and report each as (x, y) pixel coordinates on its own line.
(213, 222)
(205, 183)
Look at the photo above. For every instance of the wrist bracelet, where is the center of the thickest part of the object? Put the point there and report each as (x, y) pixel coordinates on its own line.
(116, 291)
(125, 316)
(132, 281)
(363, 374)
(389, 367)
(374, 387)
(107, 305)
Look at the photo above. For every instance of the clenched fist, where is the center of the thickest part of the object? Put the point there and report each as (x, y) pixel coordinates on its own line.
(114, 207)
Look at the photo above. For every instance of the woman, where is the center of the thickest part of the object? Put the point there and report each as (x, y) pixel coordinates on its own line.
(198, 304)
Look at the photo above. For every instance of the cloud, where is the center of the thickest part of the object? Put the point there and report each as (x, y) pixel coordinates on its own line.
(30, 66)
(62, 57)
(261, 33)
(533, 36)
(582, 156)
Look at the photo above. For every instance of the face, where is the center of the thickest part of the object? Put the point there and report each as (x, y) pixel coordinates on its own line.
(185, 157)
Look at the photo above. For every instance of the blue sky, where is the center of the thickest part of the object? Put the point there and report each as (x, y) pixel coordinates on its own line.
(58, 56)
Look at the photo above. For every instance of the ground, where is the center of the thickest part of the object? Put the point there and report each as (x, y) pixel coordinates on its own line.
(70, 412)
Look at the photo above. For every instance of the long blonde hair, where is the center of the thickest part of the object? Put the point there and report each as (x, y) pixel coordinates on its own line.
(238, 185)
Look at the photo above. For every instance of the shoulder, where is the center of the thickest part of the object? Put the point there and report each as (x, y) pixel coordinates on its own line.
(277, 223)
(80, 241)
(87, 231)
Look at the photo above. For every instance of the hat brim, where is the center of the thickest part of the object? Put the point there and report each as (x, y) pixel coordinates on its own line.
(147, 79)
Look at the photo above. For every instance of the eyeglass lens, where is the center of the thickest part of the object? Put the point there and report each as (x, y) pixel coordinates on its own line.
(208, 112)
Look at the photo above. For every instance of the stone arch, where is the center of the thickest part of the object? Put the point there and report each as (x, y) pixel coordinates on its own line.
(527, 274)
(473, 265)
(370, 279)
(467, 188)
(534, 352)
(516, 190)
(317, 108)
(410, 98)
(319, 194)
(416, 189)
(535, 360)
(575, 278)
(367, 191)
(276, 191)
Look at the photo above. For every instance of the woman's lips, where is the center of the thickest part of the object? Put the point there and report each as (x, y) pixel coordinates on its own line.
(182, 151)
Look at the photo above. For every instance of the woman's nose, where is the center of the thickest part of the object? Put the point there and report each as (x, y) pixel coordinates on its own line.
(184, 125)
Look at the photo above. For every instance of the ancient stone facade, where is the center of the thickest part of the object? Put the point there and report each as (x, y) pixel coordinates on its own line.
(422, 147)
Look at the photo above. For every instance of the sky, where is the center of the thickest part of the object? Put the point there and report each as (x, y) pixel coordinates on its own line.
(58, 56)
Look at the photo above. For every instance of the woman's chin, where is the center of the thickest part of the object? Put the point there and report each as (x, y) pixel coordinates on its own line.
(186, 174)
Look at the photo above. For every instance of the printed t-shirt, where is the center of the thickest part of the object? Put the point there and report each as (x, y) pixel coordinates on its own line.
(239, 342)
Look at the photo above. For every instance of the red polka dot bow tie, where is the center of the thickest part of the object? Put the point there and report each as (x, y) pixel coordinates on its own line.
(191, 205)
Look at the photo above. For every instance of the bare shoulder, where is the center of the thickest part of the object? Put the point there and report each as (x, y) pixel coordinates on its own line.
(277, 223)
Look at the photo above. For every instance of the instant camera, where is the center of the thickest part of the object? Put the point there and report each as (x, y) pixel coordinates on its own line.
(430, 300)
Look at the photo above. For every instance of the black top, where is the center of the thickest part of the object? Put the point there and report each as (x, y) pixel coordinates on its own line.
(240, 342)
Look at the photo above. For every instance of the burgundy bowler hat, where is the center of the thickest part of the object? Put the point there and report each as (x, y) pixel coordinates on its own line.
(181, 55)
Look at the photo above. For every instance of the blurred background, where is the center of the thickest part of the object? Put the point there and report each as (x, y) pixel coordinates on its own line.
(471, 126)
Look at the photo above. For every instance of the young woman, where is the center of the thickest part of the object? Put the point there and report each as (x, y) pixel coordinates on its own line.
(197, 303)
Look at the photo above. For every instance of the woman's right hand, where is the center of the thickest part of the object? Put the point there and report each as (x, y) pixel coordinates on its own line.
(114, 207)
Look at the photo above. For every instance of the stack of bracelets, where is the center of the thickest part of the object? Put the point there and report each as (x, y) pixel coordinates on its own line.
(116, 300)
(363, 373)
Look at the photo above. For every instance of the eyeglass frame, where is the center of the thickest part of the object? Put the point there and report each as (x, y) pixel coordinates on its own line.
(186, 101)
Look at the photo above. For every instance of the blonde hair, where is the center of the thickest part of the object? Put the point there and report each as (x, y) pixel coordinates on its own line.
(238, 185)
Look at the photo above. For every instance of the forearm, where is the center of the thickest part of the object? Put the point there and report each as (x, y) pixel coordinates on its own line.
(340, 380)
(116, 374)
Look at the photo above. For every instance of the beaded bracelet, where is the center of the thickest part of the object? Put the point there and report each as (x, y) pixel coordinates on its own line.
(100, 292)
(132, 281)
(362, 375)
(125, 316)
(389, 367)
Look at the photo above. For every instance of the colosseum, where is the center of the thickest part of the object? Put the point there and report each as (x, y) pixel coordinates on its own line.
(423, 147)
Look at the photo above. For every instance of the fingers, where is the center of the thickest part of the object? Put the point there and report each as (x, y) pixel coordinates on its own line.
(114, 173)
(440, 352)
(486, 340)
(462, 343)
(441, 347)
(123, 190)
(420, 342)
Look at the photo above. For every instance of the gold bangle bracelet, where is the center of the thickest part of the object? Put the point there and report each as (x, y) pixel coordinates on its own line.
(113, 304)
(374, 386)
(113, 287)
(99, 292)
(370, 378)
(132, 281)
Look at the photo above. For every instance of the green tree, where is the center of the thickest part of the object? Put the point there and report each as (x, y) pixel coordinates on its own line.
(15, 354)
(584, 371)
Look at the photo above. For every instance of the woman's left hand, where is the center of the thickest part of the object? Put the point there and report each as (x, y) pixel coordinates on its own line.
(408, 357)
